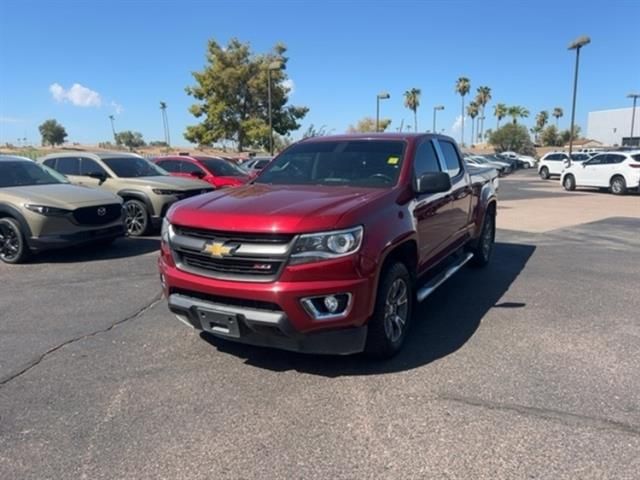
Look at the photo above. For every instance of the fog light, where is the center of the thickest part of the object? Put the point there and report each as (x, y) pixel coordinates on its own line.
(331, 303)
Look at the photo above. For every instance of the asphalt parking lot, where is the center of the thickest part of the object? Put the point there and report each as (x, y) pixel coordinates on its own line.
(527, 369)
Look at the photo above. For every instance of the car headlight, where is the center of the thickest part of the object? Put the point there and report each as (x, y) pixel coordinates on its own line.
(160, 191)
(47, 211)
(165, 231)
(314, 247)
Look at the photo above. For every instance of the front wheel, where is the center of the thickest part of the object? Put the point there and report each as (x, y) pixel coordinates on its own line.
(618, 185)
(13, 248)
(569, 183)
(136, 218)
(483, 246)
(544, 173)
(394, 301)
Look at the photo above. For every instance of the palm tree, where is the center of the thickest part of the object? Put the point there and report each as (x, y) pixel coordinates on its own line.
(483, 95)
(557, 112)
(541, 119)
(472, 110)
(500, 111)
(516, 111)
(412, 102)
(463, 85)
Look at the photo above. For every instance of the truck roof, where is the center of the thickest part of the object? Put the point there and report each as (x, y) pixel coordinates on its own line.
(377, 136)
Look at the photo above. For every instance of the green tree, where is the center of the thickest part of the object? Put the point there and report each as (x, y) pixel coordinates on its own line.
(550, 137)
(463, 86)
(565, 135)
(557, 112)
(412, 102)
(542, 118)
(483, 95)
(52, 133)
(500, 111)
(516, 112)
(368, 124)
(130, 139)
(232, 96)
(512, 137)
(472, 110)
(312, 131)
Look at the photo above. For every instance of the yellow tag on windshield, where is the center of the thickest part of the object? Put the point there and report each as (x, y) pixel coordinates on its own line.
(393, 160)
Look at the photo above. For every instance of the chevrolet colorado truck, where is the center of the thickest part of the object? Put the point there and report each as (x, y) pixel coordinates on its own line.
(329, 248)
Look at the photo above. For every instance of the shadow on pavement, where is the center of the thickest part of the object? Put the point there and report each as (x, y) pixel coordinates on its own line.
(441, 324)
(121, 248)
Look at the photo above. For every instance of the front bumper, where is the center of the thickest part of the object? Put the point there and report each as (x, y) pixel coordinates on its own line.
(48, 242)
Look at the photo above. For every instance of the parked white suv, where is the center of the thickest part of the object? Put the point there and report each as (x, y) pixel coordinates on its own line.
(619, 171)
(553, 163)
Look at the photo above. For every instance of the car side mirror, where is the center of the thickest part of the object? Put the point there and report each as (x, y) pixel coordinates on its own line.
(197, 174)
(433, 182)
(101, 176)
(584, 164)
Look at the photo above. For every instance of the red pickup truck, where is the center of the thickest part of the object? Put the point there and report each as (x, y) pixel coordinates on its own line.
(328, 249)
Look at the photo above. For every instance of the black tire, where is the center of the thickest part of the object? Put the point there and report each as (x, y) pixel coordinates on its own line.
(618, 185)
(13, 247)
(544, 173)
(569, 183)
(136, 218)
(482, 248)
(391, 318)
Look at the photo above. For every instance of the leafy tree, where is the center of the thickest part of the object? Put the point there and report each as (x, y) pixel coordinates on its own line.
(512, 137)
(52, 133)
(483, 95)
(312, 131)
(158, 143)
(130, 139)
(516, 111)
(463, 85)
(565, 135)
(541, 119)
(472, 111)
(557, 112)
(368, 124)
(500, 111)
(550, 137)
(232, 96)
(412, 102)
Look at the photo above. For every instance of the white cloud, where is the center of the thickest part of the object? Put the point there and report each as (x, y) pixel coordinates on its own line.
(289, 85)
(117, 108)
(457, 124)
(11, 120)
(77, 95)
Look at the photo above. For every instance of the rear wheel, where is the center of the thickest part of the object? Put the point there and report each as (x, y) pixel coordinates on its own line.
(618, 185)
(136, 217)
(13, 248)
(544, 173)
(388, 326)
(569, 183)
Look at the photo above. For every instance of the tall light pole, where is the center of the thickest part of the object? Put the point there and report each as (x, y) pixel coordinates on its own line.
(575, 45)
(635, 97)
(272, 66)
(113, 128)
(380, 96)
(165, 124)
(435, 109)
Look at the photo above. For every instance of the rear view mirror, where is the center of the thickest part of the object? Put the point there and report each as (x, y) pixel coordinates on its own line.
(433, 182)
(101, 176)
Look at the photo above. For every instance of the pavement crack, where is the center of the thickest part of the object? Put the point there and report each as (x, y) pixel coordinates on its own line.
(152, 303)
(568, 418)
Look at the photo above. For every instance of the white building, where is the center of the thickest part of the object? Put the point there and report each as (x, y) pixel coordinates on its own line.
(610, 127)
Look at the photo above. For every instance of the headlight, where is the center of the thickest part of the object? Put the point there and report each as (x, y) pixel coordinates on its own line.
(47, 211)
(160, 191)
(166, 229)
(313, 247)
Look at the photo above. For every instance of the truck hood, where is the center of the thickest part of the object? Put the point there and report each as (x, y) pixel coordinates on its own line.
(261, 208)
(167, 182)
(61, 195)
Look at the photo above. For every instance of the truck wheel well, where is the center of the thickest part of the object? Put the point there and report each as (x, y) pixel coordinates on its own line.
(407, 253)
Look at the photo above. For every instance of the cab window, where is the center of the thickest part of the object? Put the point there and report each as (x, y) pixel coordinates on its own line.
(68, 165)
(426, 160)
(451, 158)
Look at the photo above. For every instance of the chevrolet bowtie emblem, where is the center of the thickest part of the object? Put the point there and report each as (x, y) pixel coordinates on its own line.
(219, 249)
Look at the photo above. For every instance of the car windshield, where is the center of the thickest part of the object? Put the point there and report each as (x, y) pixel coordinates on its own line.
(22, 173)
(132, 167)
(221, 168)
(362, 163)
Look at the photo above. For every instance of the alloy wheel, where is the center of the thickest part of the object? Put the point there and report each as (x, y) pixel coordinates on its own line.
(9, 243)
(396, 309)
(136, 219)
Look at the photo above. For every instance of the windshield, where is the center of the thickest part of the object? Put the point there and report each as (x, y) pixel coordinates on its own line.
(132, 167)
(362, 163)
(22, 173)
(221, 168)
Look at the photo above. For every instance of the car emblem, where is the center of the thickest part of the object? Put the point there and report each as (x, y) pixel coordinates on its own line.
(102, 212)
(219, 249)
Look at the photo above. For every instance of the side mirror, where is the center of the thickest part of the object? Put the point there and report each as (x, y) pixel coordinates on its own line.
(433, 182)
(584, 164)
(101, 176)
(197, 174)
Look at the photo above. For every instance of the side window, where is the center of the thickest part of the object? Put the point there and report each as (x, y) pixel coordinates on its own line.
(172, 166)
(88, 166)
(553, 156)
(616, 158)
(51, 163)
(597, 160)
(190, 168)
(450, 157)
(426, 160)
(68, 165)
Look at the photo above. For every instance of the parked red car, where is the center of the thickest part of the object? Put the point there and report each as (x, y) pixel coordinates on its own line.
(214, 170)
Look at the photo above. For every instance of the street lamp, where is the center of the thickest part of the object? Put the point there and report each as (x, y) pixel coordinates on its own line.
(575, 45)
(435, 109)
(272, 66)
(635, 97)
(380, 96)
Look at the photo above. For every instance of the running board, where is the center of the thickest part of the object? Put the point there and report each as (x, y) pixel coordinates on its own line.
(429, 288)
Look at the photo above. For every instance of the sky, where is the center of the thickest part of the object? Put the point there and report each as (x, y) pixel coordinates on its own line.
(81, 61)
